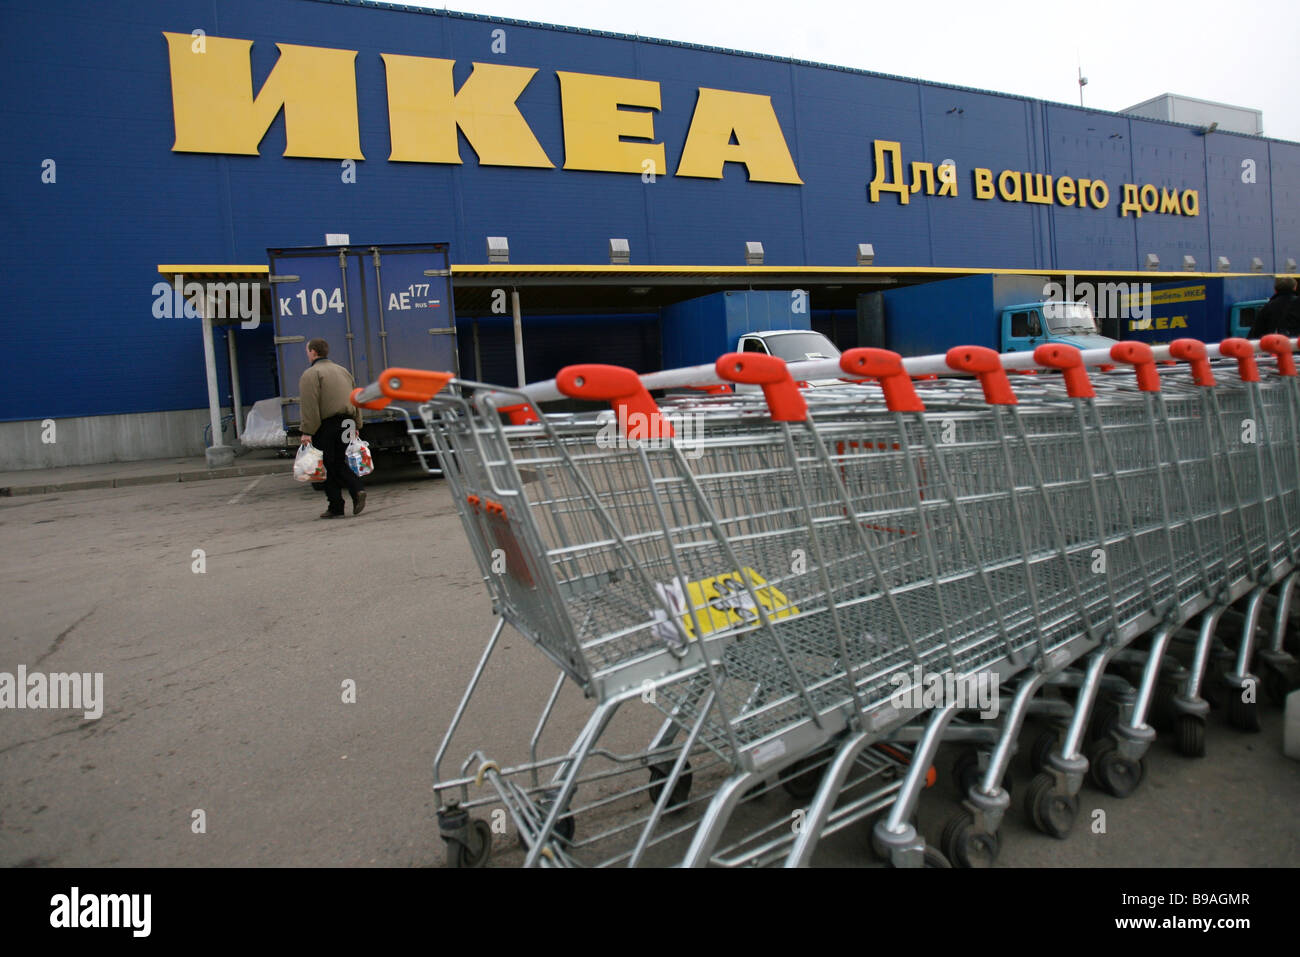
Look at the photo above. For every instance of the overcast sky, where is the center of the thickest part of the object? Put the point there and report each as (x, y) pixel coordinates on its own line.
(1241, 52)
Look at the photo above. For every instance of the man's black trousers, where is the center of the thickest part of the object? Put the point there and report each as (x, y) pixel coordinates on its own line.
(329, 439)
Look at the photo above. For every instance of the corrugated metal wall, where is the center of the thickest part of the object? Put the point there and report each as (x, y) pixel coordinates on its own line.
(89, 87)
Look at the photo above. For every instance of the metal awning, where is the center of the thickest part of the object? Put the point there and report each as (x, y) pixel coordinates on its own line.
(215, 281)
(580, 288)
(603, 288)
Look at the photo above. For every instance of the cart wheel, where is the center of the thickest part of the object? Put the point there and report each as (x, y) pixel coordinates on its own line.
(1191, 735)
(801, 779)
(1291, 642)
(1044, 744)
(965, 772)
(935, 859)
(965, 846)
(681, 791)
(477, 848)
(1114, 773)
(1243, 715)
(1105, 718)
(1051, 811)
(1161, 713)
(564, 829)
(1278, 684)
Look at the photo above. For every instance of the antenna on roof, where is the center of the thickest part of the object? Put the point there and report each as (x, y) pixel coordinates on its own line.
(1083, 81)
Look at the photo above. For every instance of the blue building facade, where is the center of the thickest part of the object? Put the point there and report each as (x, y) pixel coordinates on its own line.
(99, 188)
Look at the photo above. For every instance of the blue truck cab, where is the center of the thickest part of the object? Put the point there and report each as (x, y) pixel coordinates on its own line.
(1242, 316)
(1028, 325)
(1007, 313)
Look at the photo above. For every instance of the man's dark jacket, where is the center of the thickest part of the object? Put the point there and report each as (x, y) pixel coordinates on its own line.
(1278, 315)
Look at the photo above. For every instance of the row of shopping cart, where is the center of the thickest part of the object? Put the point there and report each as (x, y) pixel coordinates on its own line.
(757, 585)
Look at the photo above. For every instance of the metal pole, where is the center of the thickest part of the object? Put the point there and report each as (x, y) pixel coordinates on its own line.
(478, 357)
(218, 454)
(234, 383)
(519, 338)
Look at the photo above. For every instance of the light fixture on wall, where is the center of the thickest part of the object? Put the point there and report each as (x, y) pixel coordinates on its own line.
(753, 254)
(1153, 261)
(866, 254)
(620, 253)
(498, 249)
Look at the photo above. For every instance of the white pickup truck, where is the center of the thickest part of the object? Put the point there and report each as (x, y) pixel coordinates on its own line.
(792, 345)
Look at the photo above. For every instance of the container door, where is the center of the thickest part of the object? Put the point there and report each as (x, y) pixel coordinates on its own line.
(412, 322)
(317, 293)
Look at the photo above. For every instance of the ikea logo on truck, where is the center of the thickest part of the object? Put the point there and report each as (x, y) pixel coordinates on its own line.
(608, 121)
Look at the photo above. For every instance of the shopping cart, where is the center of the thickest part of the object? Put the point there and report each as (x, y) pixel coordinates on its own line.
(767, 571)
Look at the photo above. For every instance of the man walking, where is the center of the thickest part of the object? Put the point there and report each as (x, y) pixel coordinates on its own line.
(325, 394)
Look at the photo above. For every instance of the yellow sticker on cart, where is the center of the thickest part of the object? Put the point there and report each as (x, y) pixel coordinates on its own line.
(723, 602)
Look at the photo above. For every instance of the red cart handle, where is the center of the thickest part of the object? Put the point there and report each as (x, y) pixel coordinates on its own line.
(987, 367)
(1280, 346)
(405, 385)
(1070, 361)
(521, 413)
(900, 394)
(1194, 353)
(1244, 353)
(1139, 356)
(638, 414)
(784, 400)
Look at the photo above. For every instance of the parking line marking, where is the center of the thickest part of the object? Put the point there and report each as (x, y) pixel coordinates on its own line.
(251, 485)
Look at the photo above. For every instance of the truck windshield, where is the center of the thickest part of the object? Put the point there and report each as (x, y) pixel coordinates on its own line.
(798, 346)
(1070, 318)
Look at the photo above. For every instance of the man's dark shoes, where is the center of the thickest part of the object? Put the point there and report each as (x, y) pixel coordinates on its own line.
(358, 503)
(328, 514)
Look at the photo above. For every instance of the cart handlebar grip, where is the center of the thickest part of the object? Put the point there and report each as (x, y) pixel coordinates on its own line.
(900, 394)
(1280, 346)
(1139, 356)
(638, 414)
(1070, 361)
(1194, 353)
(1244, 353)
(405, 385)
(784, 400)
(986, 365)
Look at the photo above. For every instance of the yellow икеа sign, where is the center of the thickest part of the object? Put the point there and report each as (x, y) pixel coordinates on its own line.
(722, 602)
(1160, 297)
(608, 121)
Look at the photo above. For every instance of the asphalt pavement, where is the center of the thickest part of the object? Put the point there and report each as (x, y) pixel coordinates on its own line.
(275, 688)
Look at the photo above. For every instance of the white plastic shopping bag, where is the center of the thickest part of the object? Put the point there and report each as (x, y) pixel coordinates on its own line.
(359, 459)
(309, 464)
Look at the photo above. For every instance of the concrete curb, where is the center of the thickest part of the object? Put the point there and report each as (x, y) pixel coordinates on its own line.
(284, 466)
